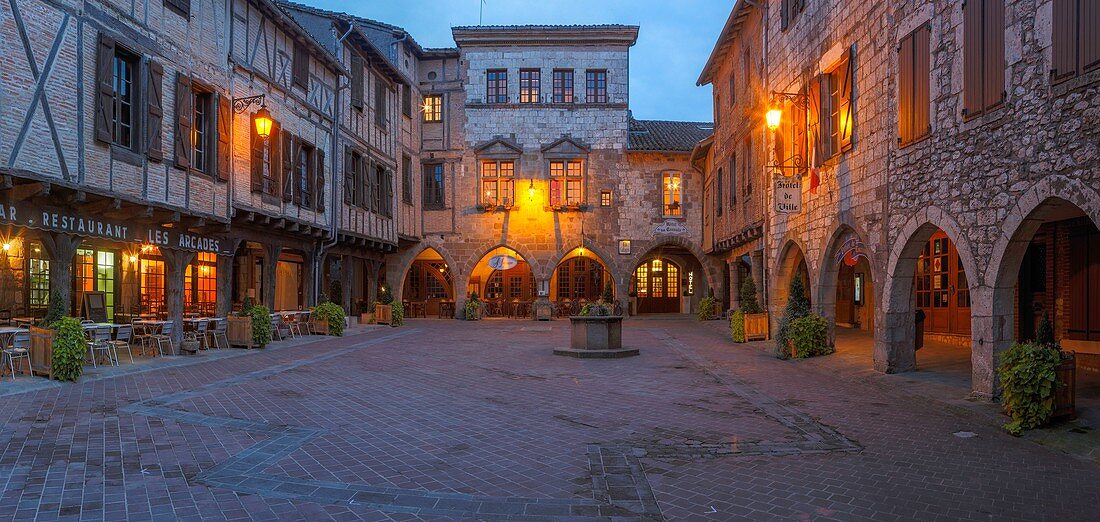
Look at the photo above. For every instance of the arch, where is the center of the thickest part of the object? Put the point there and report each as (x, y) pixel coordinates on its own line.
(521, 250)
(895, 348)
(568, 252)
(848, 235)
(397, 286)
(792, 256)
(710, 271)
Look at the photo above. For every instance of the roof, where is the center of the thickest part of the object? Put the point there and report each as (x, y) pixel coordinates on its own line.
(319, 23)
(740, 12)
(666, 136)
(541, 35)
(288, 23)
(381, 34)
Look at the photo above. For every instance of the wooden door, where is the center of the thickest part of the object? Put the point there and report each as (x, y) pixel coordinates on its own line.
(845, 295)
(942, 289)
(657, 283)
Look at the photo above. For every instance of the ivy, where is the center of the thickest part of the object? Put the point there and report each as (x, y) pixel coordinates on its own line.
(1028, 373)
(69, 349)
(261, 325)
(737, 326)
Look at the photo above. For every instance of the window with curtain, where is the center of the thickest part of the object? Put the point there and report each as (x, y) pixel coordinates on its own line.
(566, 183)
(671, 188)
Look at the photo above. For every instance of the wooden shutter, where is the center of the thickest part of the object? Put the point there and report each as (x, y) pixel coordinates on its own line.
(300, 66)
(1064, 40)
(973, 68)
(256, 148)
(225, 143)
(274, 153)
(905, 90)
(296, 177)
(799, 130)
(357, 82)
(105, 100)
(845, 77)
(922, 72)
(733, 181)
(154, 129)
(319, 184)
(555, 192)
(288, 166)
(1089, 31)
(349, 175)
(814, 112)
(993, 54)
(184, 111)
(389, 193)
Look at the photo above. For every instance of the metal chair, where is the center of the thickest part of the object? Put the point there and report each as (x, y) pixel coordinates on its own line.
(122, 339)
(163, 337)
(19, 351)
(220, 331)
(143, 335)
(5, 317)
(277, 327)
(202, 329)
(294, 325)
(99, 344)
(307, 322)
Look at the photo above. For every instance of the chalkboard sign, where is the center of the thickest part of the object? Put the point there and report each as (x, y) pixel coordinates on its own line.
(95, 307)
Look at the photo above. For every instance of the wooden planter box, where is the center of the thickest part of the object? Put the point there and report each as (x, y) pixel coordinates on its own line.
(1066, 389)
(383, 314)
(366, 318)
(42, 351)
(756, 327)
(599, 337)
(320, 326)
(239, 332)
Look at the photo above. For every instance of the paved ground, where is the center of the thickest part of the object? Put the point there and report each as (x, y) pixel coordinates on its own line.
(455, 420)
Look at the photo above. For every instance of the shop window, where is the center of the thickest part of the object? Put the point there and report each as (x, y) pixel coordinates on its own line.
(498, 183)
(94, 271)
(566, 183)
(152, 286)
(38, 280)
(200, 285)
(671, 189)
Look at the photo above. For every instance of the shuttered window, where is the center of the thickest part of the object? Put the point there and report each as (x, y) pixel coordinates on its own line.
(380, 102)
(154, 128)
(913, 85)
(406, 180)
(300, 66)
(983, 56)
(733, 181)
(718, 193)
(433, 186)
(223, 141)
(406, 100)
(352, 160)
(184, 109)
(116, 110)
(789, 10)
(1076, 40)
(357, 82)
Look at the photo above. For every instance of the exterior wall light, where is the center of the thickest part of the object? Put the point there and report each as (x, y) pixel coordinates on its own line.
(263, 123)
(531, 190)
(772, 118)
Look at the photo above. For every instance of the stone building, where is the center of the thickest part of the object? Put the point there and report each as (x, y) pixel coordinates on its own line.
(947, 156)
(537, 180)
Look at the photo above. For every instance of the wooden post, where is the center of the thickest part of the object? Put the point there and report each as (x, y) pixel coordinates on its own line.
(271, 260)
(347, 275)
(175, 267)
(309, 280)
(61, 248)
(224, 283)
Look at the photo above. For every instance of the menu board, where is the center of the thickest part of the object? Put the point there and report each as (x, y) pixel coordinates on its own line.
(95, 307)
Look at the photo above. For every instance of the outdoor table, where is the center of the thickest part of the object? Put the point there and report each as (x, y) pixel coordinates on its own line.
(25, 321)
(7, 333)
(155, 326)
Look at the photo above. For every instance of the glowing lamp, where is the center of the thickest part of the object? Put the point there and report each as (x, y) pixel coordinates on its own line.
(772, 118)
(7, 246)
(263, 122)
(133, 259)
(531, 190)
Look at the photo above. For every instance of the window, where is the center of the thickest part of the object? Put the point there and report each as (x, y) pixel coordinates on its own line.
(563, 85)
(718, 193)
(498, 183)
(1083, 303)
(433, 186)
(200, 285)
(605, 198)
(1075, 48)
(357, 82)
(831, 99)
(201, 125)
(265, 160)
(566, 183)
(529, 85)
(733, 181)
(671, 189)
(94, 271)
(983, 55)
(433, 108)
(303, 176)
(913, 82)
(595, 86)
(746, 164)
(152, 285)
(38, 280)
(300, 66)
(406, 180)
(496, 86)
(382, 190)
(125, 65)
(406, 100)
(380, 89)
(790, 10)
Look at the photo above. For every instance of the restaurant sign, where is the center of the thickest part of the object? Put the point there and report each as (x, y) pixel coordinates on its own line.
(71, 222)
(788, 195)
(502, 262)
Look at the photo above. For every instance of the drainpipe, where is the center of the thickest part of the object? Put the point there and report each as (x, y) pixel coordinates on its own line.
(334, 228)
(767, 184)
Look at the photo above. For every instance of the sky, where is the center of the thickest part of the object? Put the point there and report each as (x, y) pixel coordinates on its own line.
(674, 40)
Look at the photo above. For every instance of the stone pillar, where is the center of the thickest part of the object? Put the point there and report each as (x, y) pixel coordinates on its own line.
(757, 268)
(735, 283)
(347, 278)
(61, 248)
(271, 260)
(175, 267)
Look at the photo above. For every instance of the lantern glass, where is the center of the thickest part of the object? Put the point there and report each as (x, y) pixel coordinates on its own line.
(772, 118)
(263, 123)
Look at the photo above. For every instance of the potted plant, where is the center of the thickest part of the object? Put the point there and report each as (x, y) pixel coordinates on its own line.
(737, 326)
(366, 313)
(69, 349)
(596, 333)
(472, 308)
(251, 327)
(328, 319)
(1038, 381)
(708, 308)
(383, 309)
(798, 306)
(755, 318)
(397, 314)
(809, 337)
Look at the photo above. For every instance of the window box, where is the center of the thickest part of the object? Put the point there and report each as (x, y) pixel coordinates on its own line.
(573, 207)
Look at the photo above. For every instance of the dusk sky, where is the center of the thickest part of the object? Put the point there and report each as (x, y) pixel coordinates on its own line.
(674, 41)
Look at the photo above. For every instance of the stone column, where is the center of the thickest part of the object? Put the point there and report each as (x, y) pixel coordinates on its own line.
(735, 283)
(758, 276)
(61, 248)
(271, 260)
(175, 267)
(224, 286)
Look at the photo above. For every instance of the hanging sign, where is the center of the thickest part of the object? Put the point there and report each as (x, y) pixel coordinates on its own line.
(673, 227)
(788, 195)
(850, 251)
(502, 262)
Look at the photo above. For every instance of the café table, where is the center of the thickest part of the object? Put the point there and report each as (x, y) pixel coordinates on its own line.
(23, 321)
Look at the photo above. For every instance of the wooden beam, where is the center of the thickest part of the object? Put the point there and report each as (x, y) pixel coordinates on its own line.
(29, 190)
(76, 196)
(294, 227)
(5, 181)
(103, 205)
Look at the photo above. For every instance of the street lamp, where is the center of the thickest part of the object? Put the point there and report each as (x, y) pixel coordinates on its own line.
(772, 118)
(531, 190)
(262, 117)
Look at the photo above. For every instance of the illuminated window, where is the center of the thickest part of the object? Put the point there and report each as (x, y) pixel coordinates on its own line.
(671, 188)
(152, 285)
(38, 280)
(200, 285)
(94, 271)
(566, 183)
(498, 182)
(529, 85)
(433, 108)
(605, 198)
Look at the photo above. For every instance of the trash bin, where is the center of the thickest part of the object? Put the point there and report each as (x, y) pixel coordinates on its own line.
(918, 334)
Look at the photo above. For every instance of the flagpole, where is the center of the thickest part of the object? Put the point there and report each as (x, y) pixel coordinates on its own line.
(481, 12)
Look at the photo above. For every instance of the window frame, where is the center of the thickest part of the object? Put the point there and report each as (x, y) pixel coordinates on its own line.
(133, 60)
(530, 86)
(304, 172)
(672, 194)
(595, 86)
(406, 179)
(503, 185)
(433, 108)
(202, 114)
(435, 181)
(569, 178)
(496, 86)
(563, 85)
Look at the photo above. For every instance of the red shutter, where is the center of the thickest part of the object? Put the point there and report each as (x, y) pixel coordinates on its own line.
(105, 100)
(154, 130)
(1064, 36)
(288, 166)
(1089, 31)
(845, 76)
(972, 58)
(319, 184)
(225, 143)
(555, 192)
(993, 54)
(256, 161)
(184, 111)
(922, 77)
(905, 90)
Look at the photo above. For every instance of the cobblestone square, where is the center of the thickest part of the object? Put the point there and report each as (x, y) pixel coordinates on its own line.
(467, 421)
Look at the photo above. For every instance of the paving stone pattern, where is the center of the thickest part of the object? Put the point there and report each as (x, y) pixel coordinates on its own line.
(454, 420)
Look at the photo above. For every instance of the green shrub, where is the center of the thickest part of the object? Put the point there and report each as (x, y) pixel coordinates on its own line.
(1028, 379)
(334, 314)
(737, 326)
(472, 308)
(397, 314)
(385, 297)
(261, 325)
(1045, 335)
(336, 292)
(69, 349)
(749, 304)
(596, 309)
(810, 336)
(798, 306)
(608, 293)
(246, 307)
(55, 310)
(708, 308)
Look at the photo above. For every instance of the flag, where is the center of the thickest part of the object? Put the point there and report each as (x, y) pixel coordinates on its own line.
(815, 179)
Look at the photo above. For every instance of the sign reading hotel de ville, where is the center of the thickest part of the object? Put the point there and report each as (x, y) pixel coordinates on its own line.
(71, 222)
(788, 194)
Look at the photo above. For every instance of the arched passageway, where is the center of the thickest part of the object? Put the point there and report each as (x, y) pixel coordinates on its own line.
(429, 286)
(504, 281)
(667, 279)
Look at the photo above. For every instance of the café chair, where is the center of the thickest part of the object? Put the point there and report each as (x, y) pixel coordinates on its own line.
(19, 351)
(122, 339)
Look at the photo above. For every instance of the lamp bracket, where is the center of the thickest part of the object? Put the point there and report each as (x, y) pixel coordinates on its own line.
(798, 99)
(242, 104)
